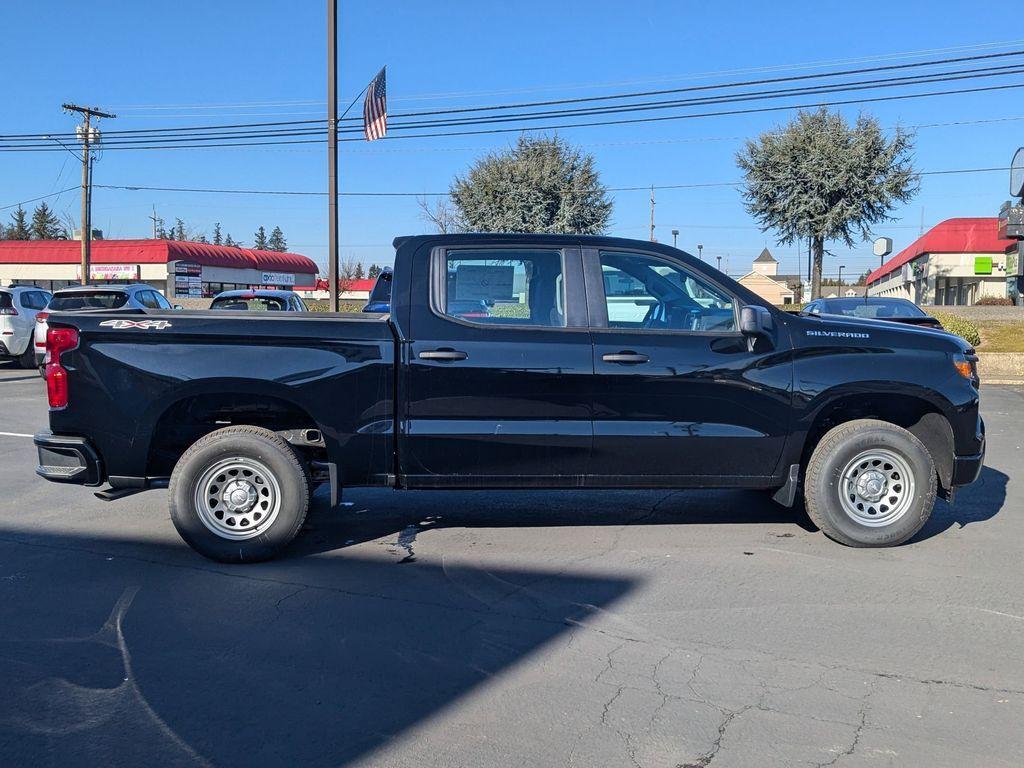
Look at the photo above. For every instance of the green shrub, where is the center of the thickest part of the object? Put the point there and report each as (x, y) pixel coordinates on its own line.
(323, 305)
(960, 326)
(510, 310)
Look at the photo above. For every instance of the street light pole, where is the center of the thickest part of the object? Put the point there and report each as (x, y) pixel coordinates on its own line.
(841, 268)
(675, 235)
(700, 251)
(719, 263)
(332, 152)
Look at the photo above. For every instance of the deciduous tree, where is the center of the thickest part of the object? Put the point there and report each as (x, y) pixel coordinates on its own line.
(542, 184)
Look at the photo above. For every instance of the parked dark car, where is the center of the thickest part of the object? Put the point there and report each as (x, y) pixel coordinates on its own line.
(259, 300)
(897, 310)
(692, 381)
(380, 296)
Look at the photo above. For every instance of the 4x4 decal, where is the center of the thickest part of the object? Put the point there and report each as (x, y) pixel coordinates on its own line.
(121, 325)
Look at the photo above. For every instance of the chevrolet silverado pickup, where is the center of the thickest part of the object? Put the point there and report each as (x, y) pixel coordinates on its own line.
(505, 362)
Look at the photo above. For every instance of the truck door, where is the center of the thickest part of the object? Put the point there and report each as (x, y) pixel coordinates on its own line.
(497, 377)
(679, 399)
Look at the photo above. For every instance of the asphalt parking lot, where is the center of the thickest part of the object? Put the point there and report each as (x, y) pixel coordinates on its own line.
(510, 629)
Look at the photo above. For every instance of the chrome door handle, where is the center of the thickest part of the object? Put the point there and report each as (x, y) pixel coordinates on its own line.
(443, 354)
(626, 358)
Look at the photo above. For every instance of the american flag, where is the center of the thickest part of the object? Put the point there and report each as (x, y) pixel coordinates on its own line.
(375, 107)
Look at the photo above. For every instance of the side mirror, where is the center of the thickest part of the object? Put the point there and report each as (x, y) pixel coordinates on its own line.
(756, 321)
(177, 306)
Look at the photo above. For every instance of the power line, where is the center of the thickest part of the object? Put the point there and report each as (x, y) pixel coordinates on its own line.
(36, 199)
(313, 193)
(517, 129)
(907, 80)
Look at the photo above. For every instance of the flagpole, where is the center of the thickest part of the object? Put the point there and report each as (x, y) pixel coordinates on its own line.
(332, 152)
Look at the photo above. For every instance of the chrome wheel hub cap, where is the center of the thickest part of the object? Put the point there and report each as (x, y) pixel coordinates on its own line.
(237, 498)
(876, 488)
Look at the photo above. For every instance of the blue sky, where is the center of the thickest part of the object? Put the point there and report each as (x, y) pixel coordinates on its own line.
(193, 63)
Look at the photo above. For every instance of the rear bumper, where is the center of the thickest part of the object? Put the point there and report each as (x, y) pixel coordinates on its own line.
(68, 459)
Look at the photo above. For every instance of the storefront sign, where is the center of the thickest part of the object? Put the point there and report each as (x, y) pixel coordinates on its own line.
(188, 268)
(278, 278)
(110, 272)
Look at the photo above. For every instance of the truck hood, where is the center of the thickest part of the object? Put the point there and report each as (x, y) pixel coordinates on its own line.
(911, 335)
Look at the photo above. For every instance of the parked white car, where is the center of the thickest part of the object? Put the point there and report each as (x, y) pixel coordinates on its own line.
(19, 306)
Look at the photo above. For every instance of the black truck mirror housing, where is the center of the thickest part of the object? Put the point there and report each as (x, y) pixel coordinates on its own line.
(756, 321)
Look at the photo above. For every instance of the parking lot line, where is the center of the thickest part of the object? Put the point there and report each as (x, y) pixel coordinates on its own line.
(13, 434)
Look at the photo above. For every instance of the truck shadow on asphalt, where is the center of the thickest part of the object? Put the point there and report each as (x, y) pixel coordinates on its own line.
(133, 652)
(980, 501)
(374, 514)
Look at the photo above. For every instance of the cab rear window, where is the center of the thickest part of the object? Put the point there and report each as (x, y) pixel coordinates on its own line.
(88, 300)
(258, 304)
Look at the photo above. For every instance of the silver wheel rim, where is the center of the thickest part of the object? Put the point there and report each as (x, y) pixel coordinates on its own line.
(238, 498)
(876, 488)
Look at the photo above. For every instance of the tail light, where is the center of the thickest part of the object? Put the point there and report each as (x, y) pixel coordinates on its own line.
(41, 319)
(8, 311)
(58, 340)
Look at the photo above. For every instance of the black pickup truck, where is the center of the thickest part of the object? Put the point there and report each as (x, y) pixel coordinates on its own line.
(513, 361)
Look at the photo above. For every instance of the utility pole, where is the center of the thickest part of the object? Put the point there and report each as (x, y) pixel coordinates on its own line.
(652, 213)
(154, 219)
(88, 136)
(332, 152)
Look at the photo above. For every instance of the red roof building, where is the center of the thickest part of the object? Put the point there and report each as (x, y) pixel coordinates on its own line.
(955, 262)
(175, 267)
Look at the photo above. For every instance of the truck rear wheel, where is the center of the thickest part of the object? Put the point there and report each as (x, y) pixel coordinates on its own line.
(870, 483)
(239, 494)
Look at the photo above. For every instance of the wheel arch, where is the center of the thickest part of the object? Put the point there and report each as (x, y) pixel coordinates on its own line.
(922, 412)
(168, 430)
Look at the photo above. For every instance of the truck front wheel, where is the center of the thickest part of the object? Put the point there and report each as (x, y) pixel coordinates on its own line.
(239, 494)
(870, 483)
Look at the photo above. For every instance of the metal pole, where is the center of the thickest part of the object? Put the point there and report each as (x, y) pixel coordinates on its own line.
(675, 235)
(86, 224)
(652, 213)
(719, 263)
(841, 268)
(700, 251)
(332, 152)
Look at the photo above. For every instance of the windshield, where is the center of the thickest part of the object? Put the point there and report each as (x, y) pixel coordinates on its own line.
(68, 302)
(873, 309)
(254, 304)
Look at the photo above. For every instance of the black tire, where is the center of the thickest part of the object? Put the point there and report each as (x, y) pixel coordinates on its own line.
(273, 469)
(27, 359)
(842, 481)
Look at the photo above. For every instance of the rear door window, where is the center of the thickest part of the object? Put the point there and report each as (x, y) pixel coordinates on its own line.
(70, 302)
(505, 287)
(6, 300)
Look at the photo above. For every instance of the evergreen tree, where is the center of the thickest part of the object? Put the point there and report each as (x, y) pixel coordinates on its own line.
(277, 241)
(540, 185)
(19, 229)
(360, 272)
(179, 230)
(260, 239)
(820, 179)
(217, 239)
(228, 240)
(373, 271)
(45, 224)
